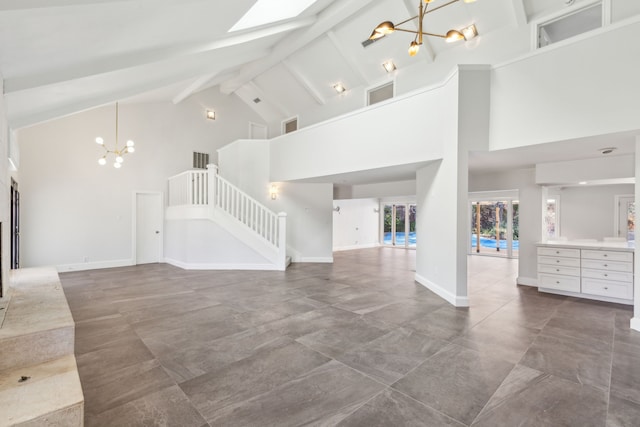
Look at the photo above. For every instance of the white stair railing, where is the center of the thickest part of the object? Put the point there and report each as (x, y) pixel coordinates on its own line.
(200, 188)
(189, 188)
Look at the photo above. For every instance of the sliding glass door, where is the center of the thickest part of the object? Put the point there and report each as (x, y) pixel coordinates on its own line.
(399, 225)
(495, 228)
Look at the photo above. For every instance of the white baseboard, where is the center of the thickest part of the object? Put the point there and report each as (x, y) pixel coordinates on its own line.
(208, 266)
(319, 260)
(452, 299)
(65, 268)
(352, 247)
(527, 281)
(635, 323)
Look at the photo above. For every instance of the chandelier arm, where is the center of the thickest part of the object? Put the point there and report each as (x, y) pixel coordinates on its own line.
(423, 33)
(407, 20)
(441, 6)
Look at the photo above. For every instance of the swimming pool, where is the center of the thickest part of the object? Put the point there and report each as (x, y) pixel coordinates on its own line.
(484, 241)
(491, 243)
(400, 238)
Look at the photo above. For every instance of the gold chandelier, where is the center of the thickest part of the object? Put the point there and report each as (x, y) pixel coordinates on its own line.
(388, 27)
(117, 151)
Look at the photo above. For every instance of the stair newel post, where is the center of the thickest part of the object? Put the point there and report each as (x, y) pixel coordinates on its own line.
(282, 240)
(212, 179)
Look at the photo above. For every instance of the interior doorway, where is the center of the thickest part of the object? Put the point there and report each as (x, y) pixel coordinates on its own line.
(148, 240)
(399, 224)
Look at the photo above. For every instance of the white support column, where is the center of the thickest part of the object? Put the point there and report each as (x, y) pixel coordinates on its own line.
(635, 321)
(282, 241)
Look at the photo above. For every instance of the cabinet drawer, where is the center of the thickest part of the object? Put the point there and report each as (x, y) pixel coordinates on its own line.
(566, 262)
(563, 283)
(607, 265)
(608, 255)
(559, 252)
(607, 288)
(559, 269)
(619, 276)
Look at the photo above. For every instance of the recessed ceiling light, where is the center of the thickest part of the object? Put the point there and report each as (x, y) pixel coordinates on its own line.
(269, 11)
(469, 32)
(389, 66)
(583, 183)
(339, 87)
(211, 115)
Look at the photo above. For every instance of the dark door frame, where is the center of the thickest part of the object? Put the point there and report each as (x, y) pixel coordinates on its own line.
(15, 225)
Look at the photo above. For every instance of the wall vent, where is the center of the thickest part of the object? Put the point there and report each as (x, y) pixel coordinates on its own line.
(290, 125)
(381, 93)
(200, 160)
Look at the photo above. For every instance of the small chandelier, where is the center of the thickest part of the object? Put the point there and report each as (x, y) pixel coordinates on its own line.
(388, 27)
(117, 151)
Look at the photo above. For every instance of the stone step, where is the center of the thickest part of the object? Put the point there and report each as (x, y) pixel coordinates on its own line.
(51, 395)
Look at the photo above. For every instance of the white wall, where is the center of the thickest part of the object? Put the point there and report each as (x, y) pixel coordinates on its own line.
(75, 212)
(574, 171)
(562, 91)
(245, 163)
(385, 189)
(357, 224)
(5, 191)
(588, 212)
(530, 214)
(203, 244)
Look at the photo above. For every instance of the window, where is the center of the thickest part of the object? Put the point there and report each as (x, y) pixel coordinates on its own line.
(569, 25)
(380, 93)
(290, 125)
(551, 218)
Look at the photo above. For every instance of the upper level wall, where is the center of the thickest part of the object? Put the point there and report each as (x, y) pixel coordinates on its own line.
(581, 87)
(404, 130)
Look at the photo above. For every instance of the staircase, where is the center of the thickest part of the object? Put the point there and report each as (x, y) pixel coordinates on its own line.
(206, 195)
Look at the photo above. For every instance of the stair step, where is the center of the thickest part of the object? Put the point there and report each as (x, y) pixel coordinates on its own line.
(51, 396)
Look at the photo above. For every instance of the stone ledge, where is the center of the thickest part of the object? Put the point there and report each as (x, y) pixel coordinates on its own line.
(37, 342)
(52, 396)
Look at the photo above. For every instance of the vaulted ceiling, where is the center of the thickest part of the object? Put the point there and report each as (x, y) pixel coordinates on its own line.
(59, 57)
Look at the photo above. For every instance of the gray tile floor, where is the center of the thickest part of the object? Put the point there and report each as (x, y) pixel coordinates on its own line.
(355, 343)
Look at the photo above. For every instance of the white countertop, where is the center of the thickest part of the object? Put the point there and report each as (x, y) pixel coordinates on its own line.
(578, 244)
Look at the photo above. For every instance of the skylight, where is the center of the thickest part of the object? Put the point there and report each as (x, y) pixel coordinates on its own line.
(269, 11)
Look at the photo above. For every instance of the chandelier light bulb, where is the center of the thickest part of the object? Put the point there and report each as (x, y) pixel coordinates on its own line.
(117, 165)
(130, 143)
(99, 141)
(414, 48)
(119, 159)
(131, 150)
(102, 161)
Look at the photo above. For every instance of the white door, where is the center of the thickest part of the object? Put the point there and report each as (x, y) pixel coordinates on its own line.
(148, 228)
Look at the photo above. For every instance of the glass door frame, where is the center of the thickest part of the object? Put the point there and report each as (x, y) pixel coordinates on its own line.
(393, 203)
(509, 197)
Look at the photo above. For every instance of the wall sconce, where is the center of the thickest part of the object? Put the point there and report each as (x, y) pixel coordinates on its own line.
(211, 115)
(273, 192)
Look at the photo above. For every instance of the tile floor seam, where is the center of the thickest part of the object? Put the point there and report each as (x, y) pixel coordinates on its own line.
(424, 404)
